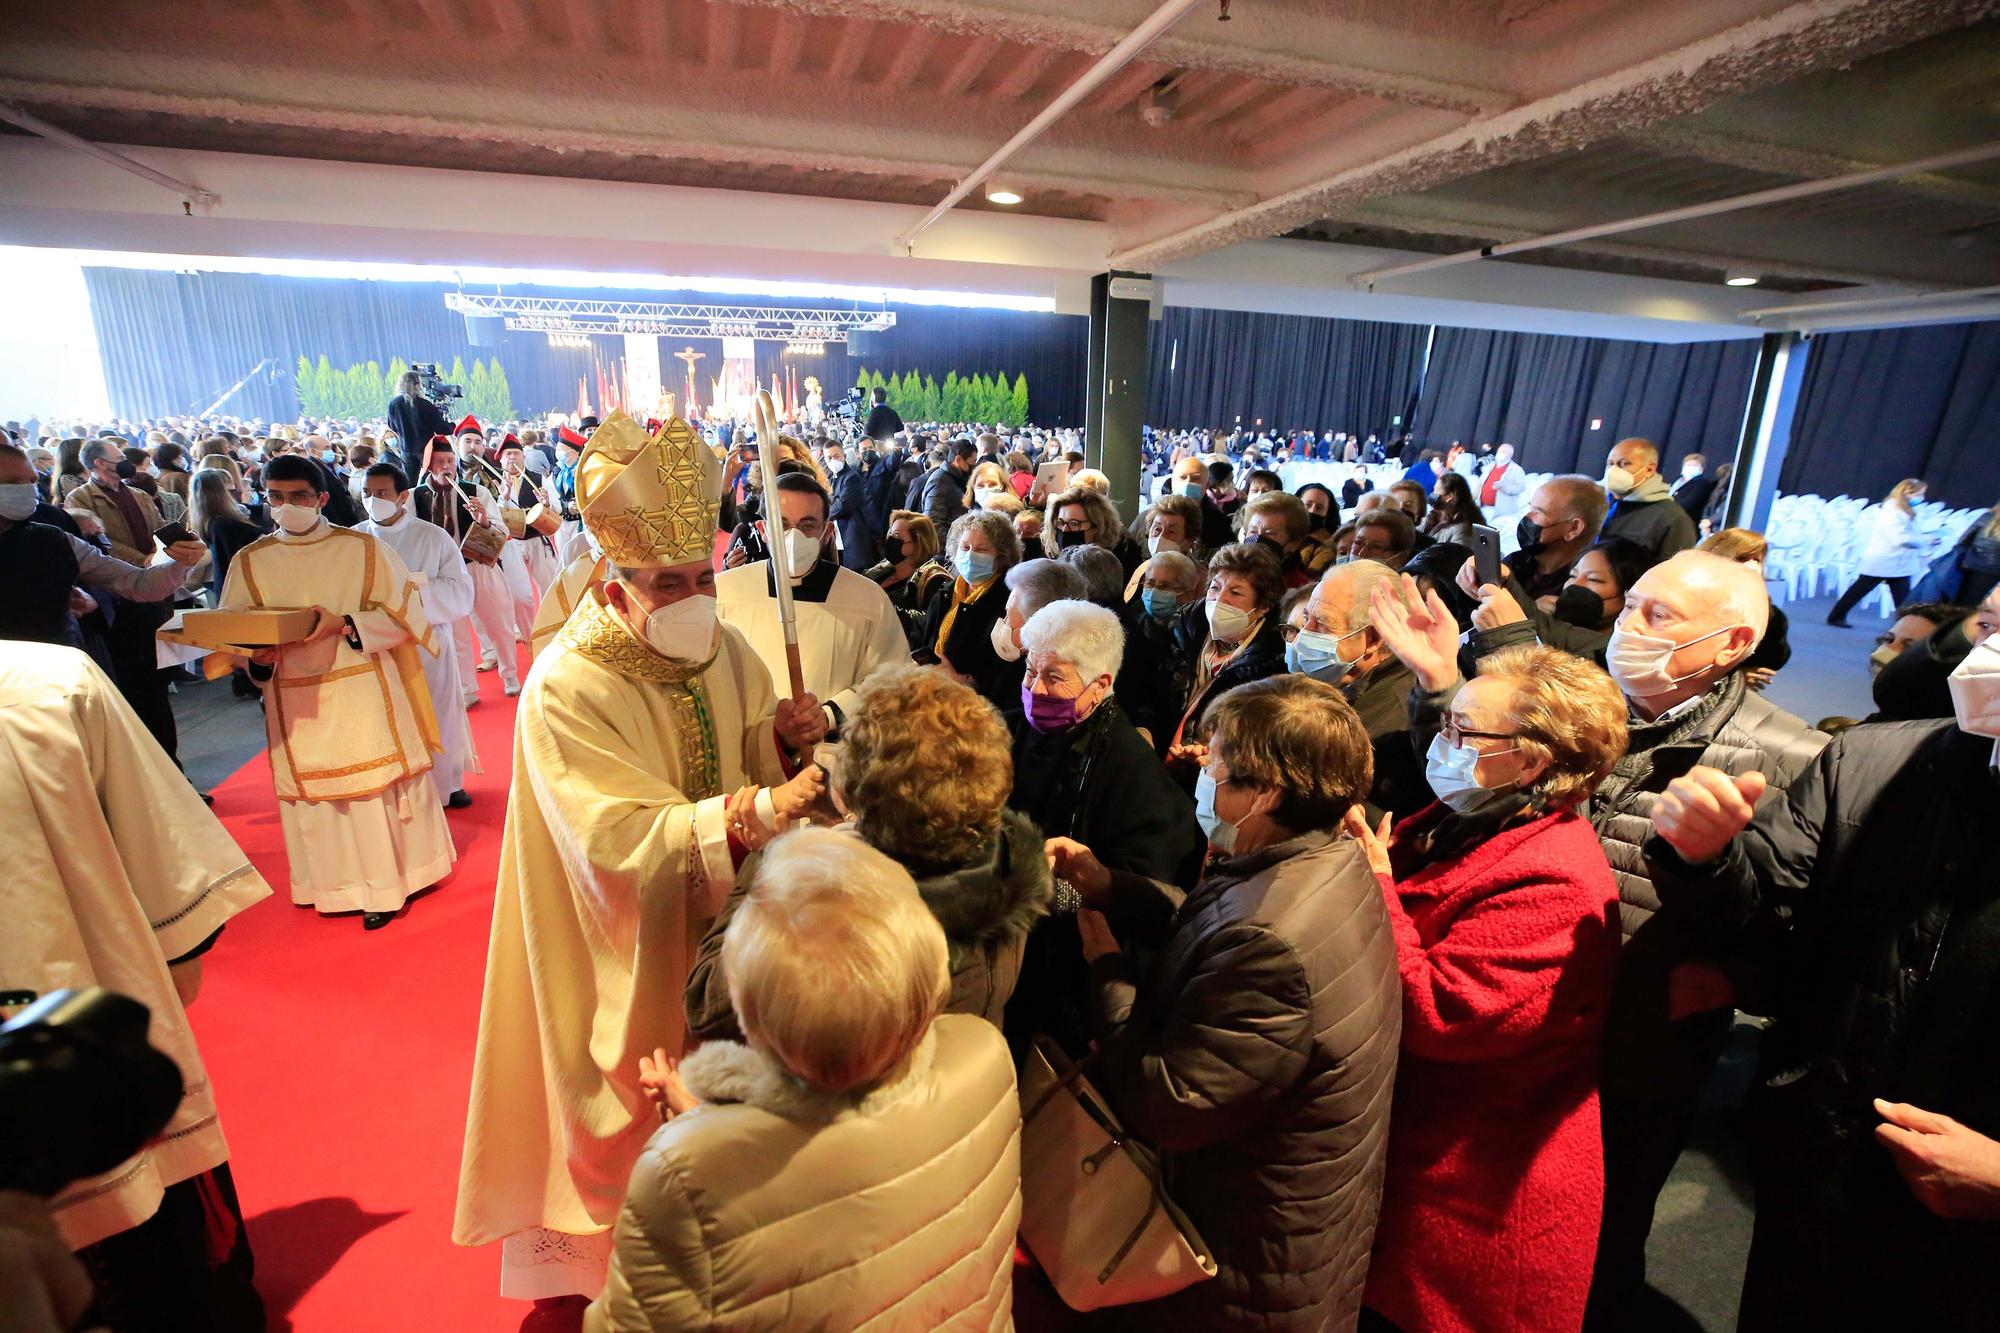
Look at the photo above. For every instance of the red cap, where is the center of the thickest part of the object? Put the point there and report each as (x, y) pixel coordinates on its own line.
(564, 435)
(510, 438)
(468, 426)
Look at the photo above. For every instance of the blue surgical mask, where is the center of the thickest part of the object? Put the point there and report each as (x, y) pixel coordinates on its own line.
(1318, 655)
(1221, 833)
(18, 501)
(1449, 770)
(1193, 490)
(1160, 603)
(974, 566)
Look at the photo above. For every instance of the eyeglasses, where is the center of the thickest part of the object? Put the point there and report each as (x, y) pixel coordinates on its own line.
(1456, 733)
(1291, 633)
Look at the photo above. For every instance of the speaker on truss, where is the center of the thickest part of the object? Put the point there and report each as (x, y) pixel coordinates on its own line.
(484, 330)
(871, 343)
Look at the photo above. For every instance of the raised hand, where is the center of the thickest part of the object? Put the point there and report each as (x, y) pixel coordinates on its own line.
(1954, 1171)
(1071, 860)
(1418, 629)
(1496, 607)
(1699, 813)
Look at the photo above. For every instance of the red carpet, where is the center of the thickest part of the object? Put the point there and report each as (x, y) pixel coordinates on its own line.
(341, 1060)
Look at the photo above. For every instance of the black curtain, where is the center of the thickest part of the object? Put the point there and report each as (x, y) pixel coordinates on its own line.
(172, 342)
(1884, 404)
(1216, 368)
(1541, 391)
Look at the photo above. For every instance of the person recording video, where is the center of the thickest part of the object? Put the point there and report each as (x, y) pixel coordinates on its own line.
(414, 417)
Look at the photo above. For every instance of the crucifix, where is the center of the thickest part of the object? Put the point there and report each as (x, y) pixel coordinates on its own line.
(688, 356)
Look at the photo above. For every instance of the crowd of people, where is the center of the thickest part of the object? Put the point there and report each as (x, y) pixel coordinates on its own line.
(1397, 914)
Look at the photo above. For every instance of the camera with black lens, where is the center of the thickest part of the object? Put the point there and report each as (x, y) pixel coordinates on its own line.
(433, 385)
(848, 408)
(83, 1088)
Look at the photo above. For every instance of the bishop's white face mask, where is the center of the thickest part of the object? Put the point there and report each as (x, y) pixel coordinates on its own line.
(1975, 690)
(295, 519)
(382, 509)
(683, 629)
(1638, 662)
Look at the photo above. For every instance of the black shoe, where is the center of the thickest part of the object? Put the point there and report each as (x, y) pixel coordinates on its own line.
(1838, 624)
(458, 801)
(376, 920)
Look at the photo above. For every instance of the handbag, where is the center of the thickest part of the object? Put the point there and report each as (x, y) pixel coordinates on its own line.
(1093, 1210)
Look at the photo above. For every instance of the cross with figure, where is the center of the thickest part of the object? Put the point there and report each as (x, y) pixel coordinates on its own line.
(688, 356)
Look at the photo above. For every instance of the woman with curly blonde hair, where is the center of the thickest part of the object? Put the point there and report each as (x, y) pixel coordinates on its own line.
(926, 768)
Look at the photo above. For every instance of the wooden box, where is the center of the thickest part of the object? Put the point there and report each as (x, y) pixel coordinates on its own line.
(241, 629)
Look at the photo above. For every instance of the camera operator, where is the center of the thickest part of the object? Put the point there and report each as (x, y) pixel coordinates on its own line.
(125, 890)
(882, 419)
(414, 417)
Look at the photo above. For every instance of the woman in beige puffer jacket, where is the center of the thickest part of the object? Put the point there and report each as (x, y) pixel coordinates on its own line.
(857, 1164)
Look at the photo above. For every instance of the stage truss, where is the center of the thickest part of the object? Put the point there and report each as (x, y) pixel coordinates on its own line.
(546, 314)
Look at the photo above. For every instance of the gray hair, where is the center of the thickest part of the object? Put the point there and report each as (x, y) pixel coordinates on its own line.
(1357, 580)
(1103, 575)
(1042, 582)
(1735, 591)
(100, 448)
(1172, 564)
(1083, 634)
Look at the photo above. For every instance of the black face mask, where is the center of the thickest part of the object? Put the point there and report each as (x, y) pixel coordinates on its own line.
(892, 549)
(1320, 522)
(1066, 540)
(1274, 546)
(1529, 533)
(1578, 605)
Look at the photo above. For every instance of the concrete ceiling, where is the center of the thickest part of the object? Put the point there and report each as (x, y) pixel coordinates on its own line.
(1419, 125)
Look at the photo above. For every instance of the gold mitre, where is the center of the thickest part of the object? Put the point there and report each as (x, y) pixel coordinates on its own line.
(649, 501)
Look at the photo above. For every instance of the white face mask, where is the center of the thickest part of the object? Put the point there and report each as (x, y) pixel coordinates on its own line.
(1221, 833)
(1155, 545)
(801, 552)
(683, 629)
(1691, 471)
(984, 496)
(382, 509)
(1226, 623)
(836, 466)
(1975, 690)
(1449, 769)
(1638, 662)
(1003, 641)
(295, 519)
(18, 501)
(1618, 481)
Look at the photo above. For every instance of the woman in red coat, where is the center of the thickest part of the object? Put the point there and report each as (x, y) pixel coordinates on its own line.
(1505, 914)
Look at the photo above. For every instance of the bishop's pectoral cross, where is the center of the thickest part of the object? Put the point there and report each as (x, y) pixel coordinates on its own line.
(688, 356)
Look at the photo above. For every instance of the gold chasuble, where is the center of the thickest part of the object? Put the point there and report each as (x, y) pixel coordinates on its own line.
(614, 860)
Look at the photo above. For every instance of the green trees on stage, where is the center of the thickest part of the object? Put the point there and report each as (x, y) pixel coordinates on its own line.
(986, 399)
(362, 391)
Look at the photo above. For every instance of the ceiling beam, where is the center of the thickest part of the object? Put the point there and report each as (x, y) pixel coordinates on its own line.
(586, 25)
(918, 44)
(786, 45)
(510, 20)
(443, 16)
(1803, 37)
(725, 23)
(850, 50)
(1276, 46)
(1029, 66)
(964, 71)
(1806, 163)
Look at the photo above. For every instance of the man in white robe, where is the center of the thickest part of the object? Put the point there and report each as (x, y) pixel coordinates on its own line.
(458, 509)
(651, 755)
(446, 586)
(348, 713)
(848, 627)
(118, 876)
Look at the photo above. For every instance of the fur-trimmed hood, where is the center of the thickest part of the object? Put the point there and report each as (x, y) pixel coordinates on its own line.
(997, 897)
(728, 1071)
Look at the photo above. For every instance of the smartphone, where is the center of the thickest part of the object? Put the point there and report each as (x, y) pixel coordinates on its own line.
(170, 533)
(1485, 555)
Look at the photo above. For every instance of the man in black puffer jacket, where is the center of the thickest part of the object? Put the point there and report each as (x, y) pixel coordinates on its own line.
(1880, 867)
(1678, 653)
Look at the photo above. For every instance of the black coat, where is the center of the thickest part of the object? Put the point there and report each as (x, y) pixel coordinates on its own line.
(1693, 495)
(944, 497)
(1147, 677)
(1258, 1054)
(1263, 656)
(1876, 874)
(848, 508)
(1917, 685)
(969, 647)
(882, 422)
(415, 421)
(1661, 526)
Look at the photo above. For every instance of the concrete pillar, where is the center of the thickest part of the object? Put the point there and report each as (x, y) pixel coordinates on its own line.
(1767, 429)
(1115, 398)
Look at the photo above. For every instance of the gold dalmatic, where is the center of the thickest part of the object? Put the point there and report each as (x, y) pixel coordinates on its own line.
(649, 501)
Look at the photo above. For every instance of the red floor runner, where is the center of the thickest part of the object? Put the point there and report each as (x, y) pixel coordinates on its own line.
(341, 1060)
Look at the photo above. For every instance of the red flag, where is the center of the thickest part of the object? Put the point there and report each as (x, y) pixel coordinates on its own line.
(582, 400)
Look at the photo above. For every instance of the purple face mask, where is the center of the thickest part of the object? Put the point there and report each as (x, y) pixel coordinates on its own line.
(1047, 712)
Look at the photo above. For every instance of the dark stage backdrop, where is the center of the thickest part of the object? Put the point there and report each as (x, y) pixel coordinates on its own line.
(1884, 404)
(1541, 391)
(172, 342)
(1211, 368)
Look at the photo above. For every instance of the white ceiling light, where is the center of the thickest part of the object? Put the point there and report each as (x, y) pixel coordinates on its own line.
(1739, 278)
(1004, 195)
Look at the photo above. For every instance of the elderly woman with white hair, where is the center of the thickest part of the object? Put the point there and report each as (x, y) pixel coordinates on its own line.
(857, 1154)
(1082, 771)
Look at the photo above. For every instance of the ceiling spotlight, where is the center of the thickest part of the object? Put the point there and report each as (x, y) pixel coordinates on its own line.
(1002, 195)
(1738, 278)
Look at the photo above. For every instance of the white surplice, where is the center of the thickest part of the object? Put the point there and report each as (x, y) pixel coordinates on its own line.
(848, 627)
(114, 866)
(428, 549)
(351, 731)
